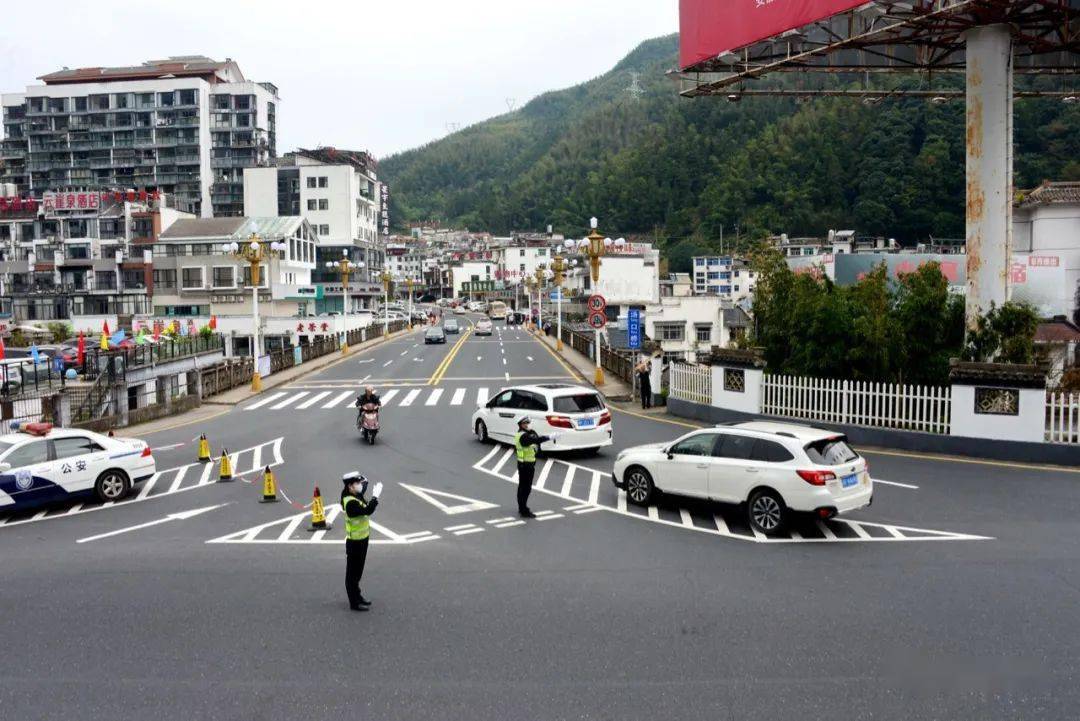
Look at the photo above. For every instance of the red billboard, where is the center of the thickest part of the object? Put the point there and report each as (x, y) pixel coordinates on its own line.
(710, 27)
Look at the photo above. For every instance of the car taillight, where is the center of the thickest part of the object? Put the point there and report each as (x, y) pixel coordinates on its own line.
(605, 417)
(560, 422)
(817, 478)
(146, 452)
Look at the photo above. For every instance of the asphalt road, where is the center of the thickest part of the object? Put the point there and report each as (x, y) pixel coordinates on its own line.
(955, 596)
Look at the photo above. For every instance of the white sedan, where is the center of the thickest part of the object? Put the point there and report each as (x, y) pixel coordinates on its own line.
(574, 416)
(774, 468)
(39, 464)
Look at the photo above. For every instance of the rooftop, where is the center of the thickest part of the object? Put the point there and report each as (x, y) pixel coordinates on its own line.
(231, 228)
(359, 159)
(172, 67)
(1049, 193)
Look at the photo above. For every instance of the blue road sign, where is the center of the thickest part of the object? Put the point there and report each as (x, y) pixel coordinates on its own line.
(554, 295)
(633, 328)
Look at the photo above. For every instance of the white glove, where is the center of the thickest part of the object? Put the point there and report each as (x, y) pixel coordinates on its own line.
(378, 490)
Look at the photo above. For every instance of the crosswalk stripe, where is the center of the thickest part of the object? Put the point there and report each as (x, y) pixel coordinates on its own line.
(338, 399)
(594, 488)
(313, 400)
(459, 396)
(409, 397)
(388, 395)
(264, 401)
(434, 397)
(568, 482)
(288, 401)
(145, 490)
(481, 396)
(180, 477)
(859, 530)
(544, 473)
(290, 528)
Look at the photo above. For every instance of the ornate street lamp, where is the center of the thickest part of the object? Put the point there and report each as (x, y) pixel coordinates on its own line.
(346, 267)
(386, 279)
(560, 267)
(254, 253)
(595, 247)
(541, 275)
(409, 282)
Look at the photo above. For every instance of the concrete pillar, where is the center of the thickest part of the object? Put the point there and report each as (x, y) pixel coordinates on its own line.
(989, 167)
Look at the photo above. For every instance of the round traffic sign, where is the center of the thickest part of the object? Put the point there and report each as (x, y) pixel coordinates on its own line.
(597, 303)
(597, 320)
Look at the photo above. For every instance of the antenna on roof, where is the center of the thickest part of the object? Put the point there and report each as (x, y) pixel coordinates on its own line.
(635, 90)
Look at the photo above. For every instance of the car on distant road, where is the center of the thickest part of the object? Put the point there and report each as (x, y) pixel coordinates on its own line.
(450, 325)
(434, 334)
(40, 464)
(459, 310)
(575, 416)
(776, 469)
(483, 327)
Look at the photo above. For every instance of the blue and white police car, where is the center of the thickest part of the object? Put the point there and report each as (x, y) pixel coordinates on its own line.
(40, 464)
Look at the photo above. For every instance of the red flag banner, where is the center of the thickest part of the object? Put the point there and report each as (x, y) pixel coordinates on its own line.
(708, 28)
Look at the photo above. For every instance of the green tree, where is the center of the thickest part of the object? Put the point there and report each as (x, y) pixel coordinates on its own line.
(1004, 334)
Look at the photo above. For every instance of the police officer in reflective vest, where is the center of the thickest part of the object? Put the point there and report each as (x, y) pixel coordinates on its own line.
(526, 443)
(357, 529)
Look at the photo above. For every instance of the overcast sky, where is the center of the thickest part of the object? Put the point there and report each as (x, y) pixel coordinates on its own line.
(383, 76)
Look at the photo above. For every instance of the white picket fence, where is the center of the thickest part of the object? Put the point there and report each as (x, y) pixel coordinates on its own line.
(1063, 417)
(880, 405)
(690, 383)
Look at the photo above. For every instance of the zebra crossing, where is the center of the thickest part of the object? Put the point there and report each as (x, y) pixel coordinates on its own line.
(163, 483)
(594, 489)
(405, 397)
(295, 529)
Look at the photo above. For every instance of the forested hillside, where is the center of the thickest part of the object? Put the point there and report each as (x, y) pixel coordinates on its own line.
(680, 169)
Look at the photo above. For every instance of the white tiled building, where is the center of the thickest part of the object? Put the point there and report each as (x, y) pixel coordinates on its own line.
(723, 276)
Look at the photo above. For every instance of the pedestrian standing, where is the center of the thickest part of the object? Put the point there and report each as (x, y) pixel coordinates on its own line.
(357, 530)
(526, 443)
(644, 374)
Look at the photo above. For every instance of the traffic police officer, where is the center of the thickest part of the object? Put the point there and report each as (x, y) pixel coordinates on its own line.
(526, 443)
(357, 531)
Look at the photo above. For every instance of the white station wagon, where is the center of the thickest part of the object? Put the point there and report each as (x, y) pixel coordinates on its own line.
(774, 468)
(575, 414)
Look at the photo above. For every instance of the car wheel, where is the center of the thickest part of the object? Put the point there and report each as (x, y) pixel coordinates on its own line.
(639, 486)
(481, 432)
(112, 485)
(767, 512)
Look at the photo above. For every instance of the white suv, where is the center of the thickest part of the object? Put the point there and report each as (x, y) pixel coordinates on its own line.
(575, 415)
(774, 468)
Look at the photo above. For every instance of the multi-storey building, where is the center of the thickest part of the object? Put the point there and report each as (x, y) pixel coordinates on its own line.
(723, 276)
(185, 126)
(337, 192)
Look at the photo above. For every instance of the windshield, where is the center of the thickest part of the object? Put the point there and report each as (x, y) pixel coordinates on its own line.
(583, 403)
(831, 451)
(5, 447)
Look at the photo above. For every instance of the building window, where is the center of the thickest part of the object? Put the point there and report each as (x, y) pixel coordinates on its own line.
(997, 401)
(165, 278)
(324, 204)
(671, 331)
(191, 278)
(311, 181)
(703, 333)
(312, 204)
(224, 276)
(324, 230)
(323, 180)
(699, 261)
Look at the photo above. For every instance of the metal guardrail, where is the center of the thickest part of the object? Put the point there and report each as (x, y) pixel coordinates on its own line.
(619, 363)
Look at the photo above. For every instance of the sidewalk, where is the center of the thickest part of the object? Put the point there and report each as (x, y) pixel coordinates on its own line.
(613, 388)
(222, 402)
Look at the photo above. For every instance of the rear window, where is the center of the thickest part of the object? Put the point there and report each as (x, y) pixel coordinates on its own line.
(582, 403)
(831, 451)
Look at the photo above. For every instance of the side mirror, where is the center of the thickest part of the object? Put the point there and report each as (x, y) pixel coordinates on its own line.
(5, 467)
(670, 455)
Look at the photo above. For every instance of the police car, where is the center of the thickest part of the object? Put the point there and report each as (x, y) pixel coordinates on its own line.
(40, 464)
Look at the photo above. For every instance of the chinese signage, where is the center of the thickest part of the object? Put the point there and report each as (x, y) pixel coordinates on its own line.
(70, 201)
(384, 208)
(478, 286)
(633, 328)
(18, 205)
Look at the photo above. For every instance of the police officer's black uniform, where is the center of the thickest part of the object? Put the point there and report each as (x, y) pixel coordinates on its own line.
(355, 548)
(526, 443)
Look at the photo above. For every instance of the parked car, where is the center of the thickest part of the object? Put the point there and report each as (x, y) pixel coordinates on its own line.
(576, 416)
(774, 468)
(450, 325)
(434, 334)
(483, 327)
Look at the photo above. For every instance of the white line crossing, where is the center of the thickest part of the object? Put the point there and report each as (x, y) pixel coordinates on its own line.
(264, 401)
(313, 400)
(459, 396)
(388, 395)
(482, 396)
(288, 401)
(410, 397)
(433, 399)
(337, 399)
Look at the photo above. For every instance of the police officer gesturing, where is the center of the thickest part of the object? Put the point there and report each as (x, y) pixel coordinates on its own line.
(357, 530)
(526, 443)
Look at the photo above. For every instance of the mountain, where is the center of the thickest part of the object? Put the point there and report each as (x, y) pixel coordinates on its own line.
(652, 163)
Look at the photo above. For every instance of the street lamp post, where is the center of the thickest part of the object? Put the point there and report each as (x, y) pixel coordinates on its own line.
(559, 267)
(529, 282)
(541, 274)
(409, 284)
(345, 267)
(595, 247)
(386, 279)
(255, 252)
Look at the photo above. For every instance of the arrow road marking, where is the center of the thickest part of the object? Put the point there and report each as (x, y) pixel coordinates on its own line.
(464, 505)
(181, 516)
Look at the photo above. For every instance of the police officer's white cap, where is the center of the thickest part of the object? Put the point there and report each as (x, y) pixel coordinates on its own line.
(352, 477)
(523, 419)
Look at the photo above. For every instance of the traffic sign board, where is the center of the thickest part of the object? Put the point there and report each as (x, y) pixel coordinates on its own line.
(554, 295)
(597, 303)
(597, 320)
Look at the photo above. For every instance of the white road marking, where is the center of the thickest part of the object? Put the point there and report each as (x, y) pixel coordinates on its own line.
(481, 396)
(591, 509)
(387, 363)
(404, 352)
(338, 399)
(467, 531)
(331, 514)
(458, 528)
(654, 513)
(143, 492)
(859, 530)
(176, 481)
(548, 518)
(530, 358)
(290, 528)
(459, 504)
(459, 396)
(826, 531)
(264, 401)
(388, 395)
(594, 488)
(504, 361)
(544, 473)
(501, 520)
(434, 397)
(479, 357)
(507, 376)
(409, 397)
(288, 401)
(166, 448)
(568, 481)
(205, 479)
(894, 483)
(684, 516)
(621, 502)
(313, 400)
(181, 516)
(511, 523)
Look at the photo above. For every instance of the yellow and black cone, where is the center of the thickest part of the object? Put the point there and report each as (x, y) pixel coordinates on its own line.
(204, 449)
(225, 473)
(269, 487)
(318, 513)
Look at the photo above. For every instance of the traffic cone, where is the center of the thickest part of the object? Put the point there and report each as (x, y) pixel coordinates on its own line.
(226, 466)
(204, 449)
(318, 513)
(269, 487)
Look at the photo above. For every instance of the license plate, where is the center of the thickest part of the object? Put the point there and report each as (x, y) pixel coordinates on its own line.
(586, 423)
(849, 481)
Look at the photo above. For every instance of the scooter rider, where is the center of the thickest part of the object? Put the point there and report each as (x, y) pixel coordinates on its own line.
(369, 396)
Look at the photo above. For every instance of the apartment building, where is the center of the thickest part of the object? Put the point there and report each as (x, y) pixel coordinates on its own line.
(185, 126)
(338, 193)
(723, 276)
